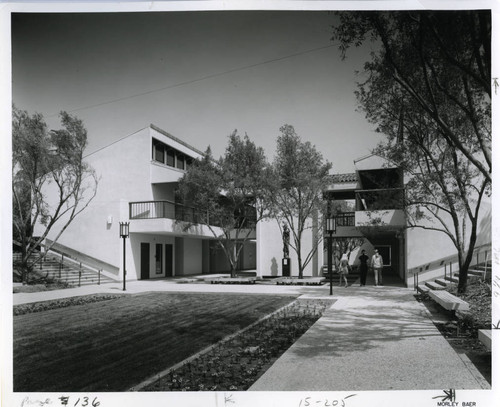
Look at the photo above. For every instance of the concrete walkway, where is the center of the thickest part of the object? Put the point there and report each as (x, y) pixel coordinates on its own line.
(372, 338)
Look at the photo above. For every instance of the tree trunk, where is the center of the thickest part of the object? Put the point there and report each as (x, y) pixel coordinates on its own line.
(463, 273)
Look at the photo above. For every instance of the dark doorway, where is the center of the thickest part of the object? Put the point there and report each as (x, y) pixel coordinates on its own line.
(144, 261)
(169, 259)
(159, 259)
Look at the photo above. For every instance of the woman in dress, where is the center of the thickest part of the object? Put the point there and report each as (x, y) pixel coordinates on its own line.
(344, 269)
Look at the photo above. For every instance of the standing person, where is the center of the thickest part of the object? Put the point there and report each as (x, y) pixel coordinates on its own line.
(377, 263)
(363, 267)
(344, 269)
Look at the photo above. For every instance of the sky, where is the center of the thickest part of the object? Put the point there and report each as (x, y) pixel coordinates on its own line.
(197, 75)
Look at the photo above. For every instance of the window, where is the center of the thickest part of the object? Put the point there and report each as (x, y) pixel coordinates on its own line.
(180, 161)
(160, 154)
(171, 157)
(158, 151)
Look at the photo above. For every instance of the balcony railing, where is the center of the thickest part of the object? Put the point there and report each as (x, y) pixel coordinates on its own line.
(380, 199)
(172, 210)
(162, 209)
(345, 219)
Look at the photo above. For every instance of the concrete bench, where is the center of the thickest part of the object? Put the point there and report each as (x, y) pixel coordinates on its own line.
(449, 301)
(484, 335)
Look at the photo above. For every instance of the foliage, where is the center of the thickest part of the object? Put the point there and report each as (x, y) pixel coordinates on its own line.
(44, 160)
(227, 194)
(478, 296)
(342, 245)
(22, 309)
(427, 88)
(437, 62)
(300, 175)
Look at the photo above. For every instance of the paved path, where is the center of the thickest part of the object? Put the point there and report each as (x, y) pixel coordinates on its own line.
(372, 338)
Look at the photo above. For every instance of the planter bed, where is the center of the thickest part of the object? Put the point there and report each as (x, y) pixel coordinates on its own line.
(234, 280)
(300, 281)
(62, 303)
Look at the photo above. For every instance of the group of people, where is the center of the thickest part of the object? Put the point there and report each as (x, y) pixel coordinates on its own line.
(376, 263)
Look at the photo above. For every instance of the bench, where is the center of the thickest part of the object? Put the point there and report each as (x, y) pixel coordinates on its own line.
(449, 301)
(484, 335)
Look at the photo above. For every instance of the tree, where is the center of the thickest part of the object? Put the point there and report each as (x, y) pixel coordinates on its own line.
(300, 176)
(44, 159)
(438, 60)
(346, 244)
(428, 89)
(227, 194)
(445, 190)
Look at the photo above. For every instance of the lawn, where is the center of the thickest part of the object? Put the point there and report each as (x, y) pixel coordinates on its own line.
(113, 345)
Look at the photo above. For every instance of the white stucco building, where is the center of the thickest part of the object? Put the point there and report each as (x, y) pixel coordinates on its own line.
(138, 179)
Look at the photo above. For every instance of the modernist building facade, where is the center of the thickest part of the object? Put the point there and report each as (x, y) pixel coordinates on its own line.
(139, 175)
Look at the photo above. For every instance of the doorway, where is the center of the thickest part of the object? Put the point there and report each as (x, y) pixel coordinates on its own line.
(144, 261)
(169, 260)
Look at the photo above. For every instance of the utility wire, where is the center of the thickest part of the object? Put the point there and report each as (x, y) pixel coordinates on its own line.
(215, 75)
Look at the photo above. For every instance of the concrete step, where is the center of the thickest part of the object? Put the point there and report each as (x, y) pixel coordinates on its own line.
(469, 276)
(434, 286)
(476, 272)
(452, 279)
(441, 281)
(421, 288)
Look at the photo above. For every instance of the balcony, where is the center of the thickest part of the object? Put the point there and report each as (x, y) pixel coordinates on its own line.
(344, 219)
(380, 199)
(161, 210)
(183, 213)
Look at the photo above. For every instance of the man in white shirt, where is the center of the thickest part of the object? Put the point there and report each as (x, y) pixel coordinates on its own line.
(377, 263)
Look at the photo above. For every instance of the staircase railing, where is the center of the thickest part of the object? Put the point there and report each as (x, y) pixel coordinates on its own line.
(447, 264)
(77, 263)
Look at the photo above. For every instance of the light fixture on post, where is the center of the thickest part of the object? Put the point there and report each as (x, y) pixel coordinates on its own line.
(331, 228)
(124, 233)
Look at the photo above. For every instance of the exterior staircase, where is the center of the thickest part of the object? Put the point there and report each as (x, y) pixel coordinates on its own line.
(63, 270)
(479, 271)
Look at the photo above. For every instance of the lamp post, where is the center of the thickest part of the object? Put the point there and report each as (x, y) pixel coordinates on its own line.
(124, 233)
(331, 228)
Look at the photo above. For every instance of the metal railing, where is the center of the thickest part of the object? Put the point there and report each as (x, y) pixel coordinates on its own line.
(179, 212)
(163, 209)
(345, 219)
(481, 255)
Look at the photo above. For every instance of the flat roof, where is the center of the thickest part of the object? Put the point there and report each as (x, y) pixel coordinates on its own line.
(176, 139)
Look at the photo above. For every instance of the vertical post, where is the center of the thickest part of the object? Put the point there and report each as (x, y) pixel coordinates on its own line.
(124, 233)
(485, 264)
(330, 270)
(99, 277)
(124, 266)
(61, 265)
(80, 275)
